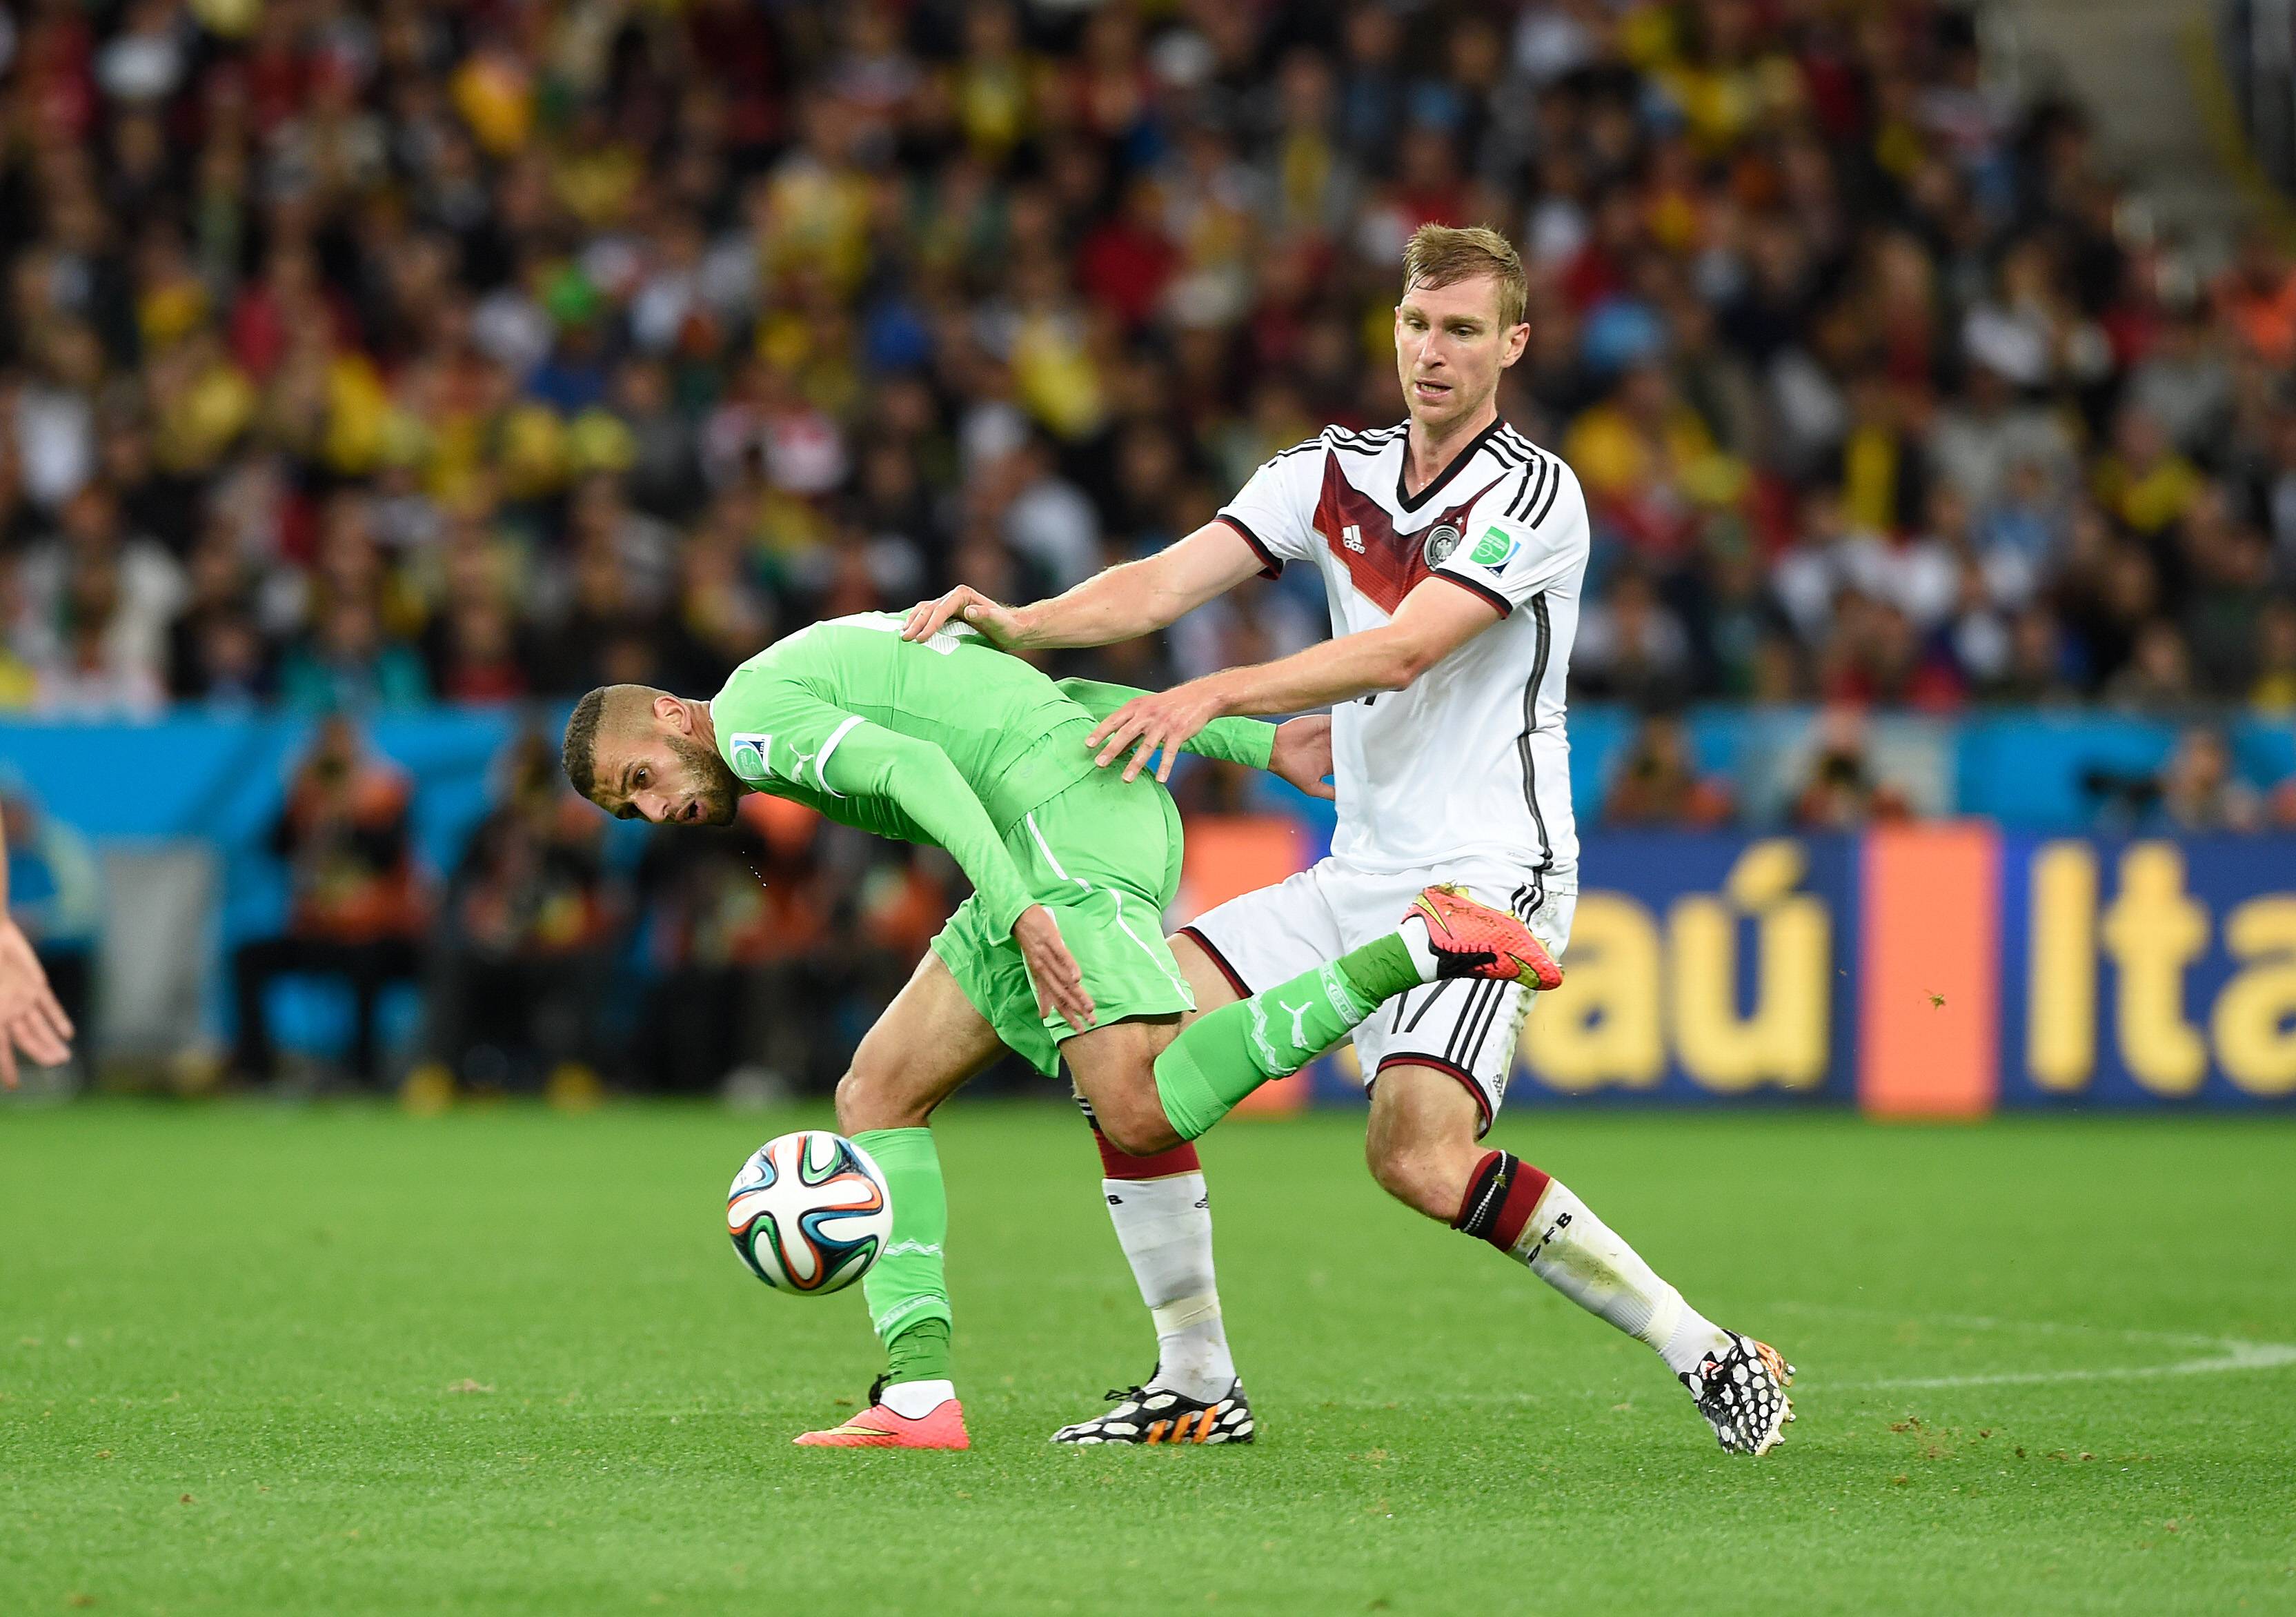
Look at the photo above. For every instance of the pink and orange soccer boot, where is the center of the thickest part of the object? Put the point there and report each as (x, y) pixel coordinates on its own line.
(880, 1427)
(1471, 939)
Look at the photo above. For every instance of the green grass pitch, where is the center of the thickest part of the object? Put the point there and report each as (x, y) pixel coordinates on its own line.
(337, 1360)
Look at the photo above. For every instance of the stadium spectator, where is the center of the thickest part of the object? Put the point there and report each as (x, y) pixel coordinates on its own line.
(2199, 791)
(1659, 783)
(1843, 792)
(519, 969)
(1632, 646)
(738, 929)
(357, 904)
(2274, 689)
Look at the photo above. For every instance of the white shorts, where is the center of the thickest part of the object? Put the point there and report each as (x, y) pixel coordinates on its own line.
(1466, 1027)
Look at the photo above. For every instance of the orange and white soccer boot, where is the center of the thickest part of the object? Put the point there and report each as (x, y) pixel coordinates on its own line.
(1473, 940)
(880, 1426)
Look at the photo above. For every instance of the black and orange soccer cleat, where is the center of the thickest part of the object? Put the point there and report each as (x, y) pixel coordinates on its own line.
(1153, 1415)
(1742, 1392)
(1473, 940)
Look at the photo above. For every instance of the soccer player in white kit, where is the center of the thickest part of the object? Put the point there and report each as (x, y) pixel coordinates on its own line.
(1452, 551)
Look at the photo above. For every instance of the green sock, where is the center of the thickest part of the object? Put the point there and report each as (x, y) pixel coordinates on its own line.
(1380, 970)
(919, 1353)
(907, 1288)
(1220, 1058)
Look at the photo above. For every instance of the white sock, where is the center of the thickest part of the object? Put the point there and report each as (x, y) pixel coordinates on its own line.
(1164, 1227)
(1413, 934)
(913, 1400)
(1578, 1254)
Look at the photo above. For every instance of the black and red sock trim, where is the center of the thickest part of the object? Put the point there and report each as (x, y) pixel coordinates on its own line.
(1502, 1194)
(1115, 1164)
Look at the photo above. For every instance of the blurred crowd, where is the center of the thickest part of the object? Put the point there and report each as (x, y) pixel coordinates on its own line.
(551, 957)
(369, 352)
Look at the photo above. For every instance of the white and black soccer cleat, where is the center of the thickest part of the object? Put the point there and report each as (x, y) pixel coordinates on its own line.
(1742, 1392)
(1158, 1415)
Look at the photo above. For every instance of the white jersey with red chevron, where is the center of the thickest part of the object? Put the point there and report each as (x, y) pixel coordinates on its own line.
(1471, 759)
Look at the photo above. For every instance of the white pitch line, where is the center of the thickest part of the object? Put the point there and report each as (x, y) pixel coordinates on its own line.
(2232, 1353)
(2237, 1355)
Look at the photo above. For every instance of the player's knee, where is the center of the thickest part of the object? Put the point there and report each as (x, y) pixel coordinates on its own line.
(869, 1096)
(1135, 1124)
(1415, 1175)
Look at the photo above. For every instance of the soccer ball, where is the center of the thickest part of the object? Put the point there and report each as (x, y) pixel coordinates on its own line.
(809, 1213)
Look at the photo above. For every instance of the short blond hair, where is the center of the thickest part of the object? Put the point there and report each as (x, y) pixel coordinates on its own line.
(1441, 255)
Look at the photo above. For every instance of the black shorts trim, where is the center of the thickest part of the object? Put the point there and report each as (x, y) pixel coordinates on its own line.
(1212, 954)
(1474, 1085)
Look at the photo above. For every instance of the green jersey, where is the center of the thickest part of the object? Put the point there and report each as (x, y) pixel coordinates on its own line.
(946, 741)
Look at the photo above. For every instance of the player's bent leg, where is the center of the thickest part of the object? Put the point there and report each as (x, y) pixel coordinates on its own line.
(1422, 1149)
(1118, 1083)
(928, 1042)
(1212, 982)
(1420, 1143)
(1223, 1057)
(1114, 1066)
(1162, 1211)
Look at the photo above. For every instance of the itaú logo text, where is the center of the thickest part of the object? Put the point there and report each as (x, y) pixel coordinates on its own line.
(2123, 969)
(1637, 980)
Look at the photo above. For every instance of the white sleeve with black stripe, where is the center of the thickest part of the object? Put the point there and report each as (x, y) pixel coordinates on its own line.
(1526, 534)
(1275, 510)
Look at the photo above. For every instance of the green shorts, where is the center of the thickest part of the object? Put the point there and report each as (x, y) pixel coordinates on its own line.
(1104, 858)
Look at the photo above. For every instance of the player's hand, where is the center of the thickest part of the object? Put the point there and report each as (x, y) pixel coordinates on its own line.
(997, 623)
(1058, 979)
(1302, 754)
(1159, 722)
(30, 1019)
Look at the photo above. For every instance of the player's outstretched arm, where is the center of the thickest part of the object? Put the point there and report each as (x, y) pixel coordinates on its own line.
(1435, 620)
(30, 1018)
(1120, 604)
(1248, 742)
(1298, 750)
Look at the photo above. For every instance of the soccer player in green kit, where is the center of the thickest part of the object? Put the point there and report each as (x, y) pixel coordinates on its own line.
(1059, 952)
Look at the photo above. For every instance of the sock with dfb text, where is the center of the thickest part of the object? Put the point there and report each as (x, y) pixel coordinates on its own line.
(1223, 1057)
(907, 1287)
(1538, 1221)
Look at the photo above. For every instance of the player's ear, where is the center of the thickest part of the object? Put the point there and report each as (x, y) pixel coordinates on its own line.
(1518, 338)
(667, 710)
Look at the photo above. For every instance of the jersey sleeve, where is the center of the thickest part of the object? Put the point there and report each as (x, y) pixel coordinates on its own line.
(1275, 510)
(772, 730)
(1528, 534)
(1248, 742)
(790, 736)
